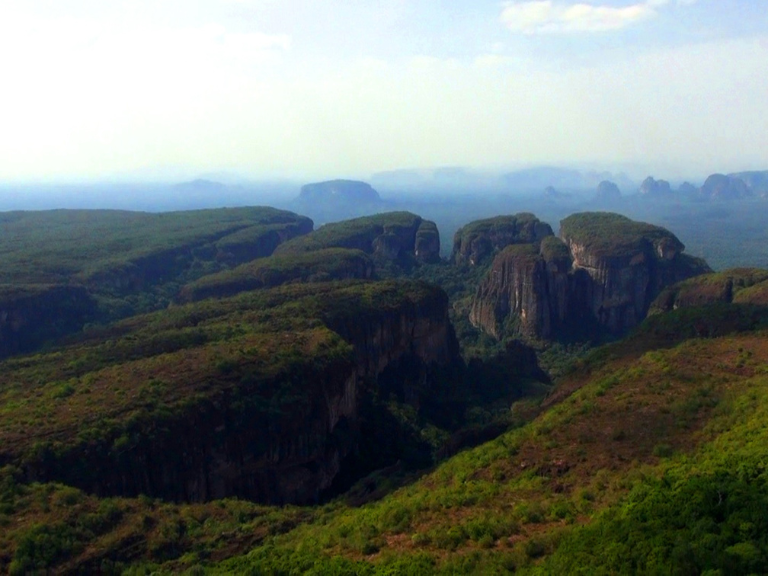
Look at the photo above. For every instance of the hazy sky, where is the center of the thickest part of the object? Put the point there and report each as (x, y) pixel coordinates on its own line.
(310, 88)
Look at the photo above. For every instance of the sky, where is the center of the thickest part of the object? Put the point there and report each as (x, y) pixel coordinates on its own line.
(337, 88)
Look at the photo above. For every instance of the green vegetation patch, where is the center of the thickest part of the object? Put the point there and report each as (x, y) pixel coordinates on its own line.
(356, 233)
(609, 234)
(319, 266)
(553, 249)
(56, 246)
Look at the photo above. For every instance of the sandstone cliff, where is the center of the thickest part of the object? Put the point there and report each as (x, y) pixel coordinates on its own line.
(478, 242)
(739, 285)
(258, 396)
(601, 276)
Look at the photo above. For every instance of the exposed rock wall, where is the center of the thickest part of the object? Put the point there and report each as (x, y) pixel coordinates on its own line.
(480, 241)
(230, 444)
(604, 274)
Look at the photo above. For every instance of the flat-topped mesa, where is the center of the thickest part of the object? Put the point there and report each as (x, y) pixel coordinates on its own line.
(601, 276)
(628, 263)
(342, 191)
(737, 285)
(479, 241)
(390, 236)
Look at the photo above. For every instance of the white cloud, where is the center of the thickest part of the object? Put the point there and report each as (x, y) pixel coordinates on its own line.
(552, 17)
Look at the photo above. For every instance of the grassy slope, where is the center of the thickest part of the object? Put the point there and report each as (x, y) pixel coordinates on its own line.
(638, 438)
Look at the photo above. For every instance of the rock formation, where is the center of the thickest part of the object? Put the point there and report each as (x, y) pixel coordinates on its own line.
(756, 180)
(607, 191)
(722, 187)
(738, 285)
(602, 274)
(478, 242)
(391, 237)
(339, 191)
(651, 187)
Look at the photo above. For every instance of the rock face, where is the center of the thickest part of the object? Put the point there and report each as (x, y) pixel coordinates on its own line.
(390, 236)
(274, 427)
(33, 315)
(478, 242)
(607, 191)
(722, 187)
(339, 191)
(602, 274)
(651, 187)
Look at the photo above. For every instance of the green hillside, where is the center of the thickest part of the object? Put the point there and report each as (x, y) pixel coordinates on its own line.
(650, 450)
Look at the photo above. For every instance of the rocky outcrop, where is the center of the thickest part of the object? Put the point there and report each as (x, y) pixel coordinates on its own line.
(33, 315)
(652, 187)
(427, 247)
(601, 276)
(339, 191)
(390, 237)
(739, 285)
(722, 187)
(272, 426)
(525, 292)
(607, 191)
(478, 242)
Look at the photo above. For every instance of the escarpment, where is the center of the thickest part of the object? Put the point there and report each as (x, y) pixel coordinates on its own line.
(601, 275)
(257, 396)
(392, 237)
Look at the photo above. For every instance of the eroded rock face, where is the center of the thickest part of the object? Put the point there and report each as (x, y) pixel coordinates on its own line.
(604, 273)
(478, 242)
(227, 443)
